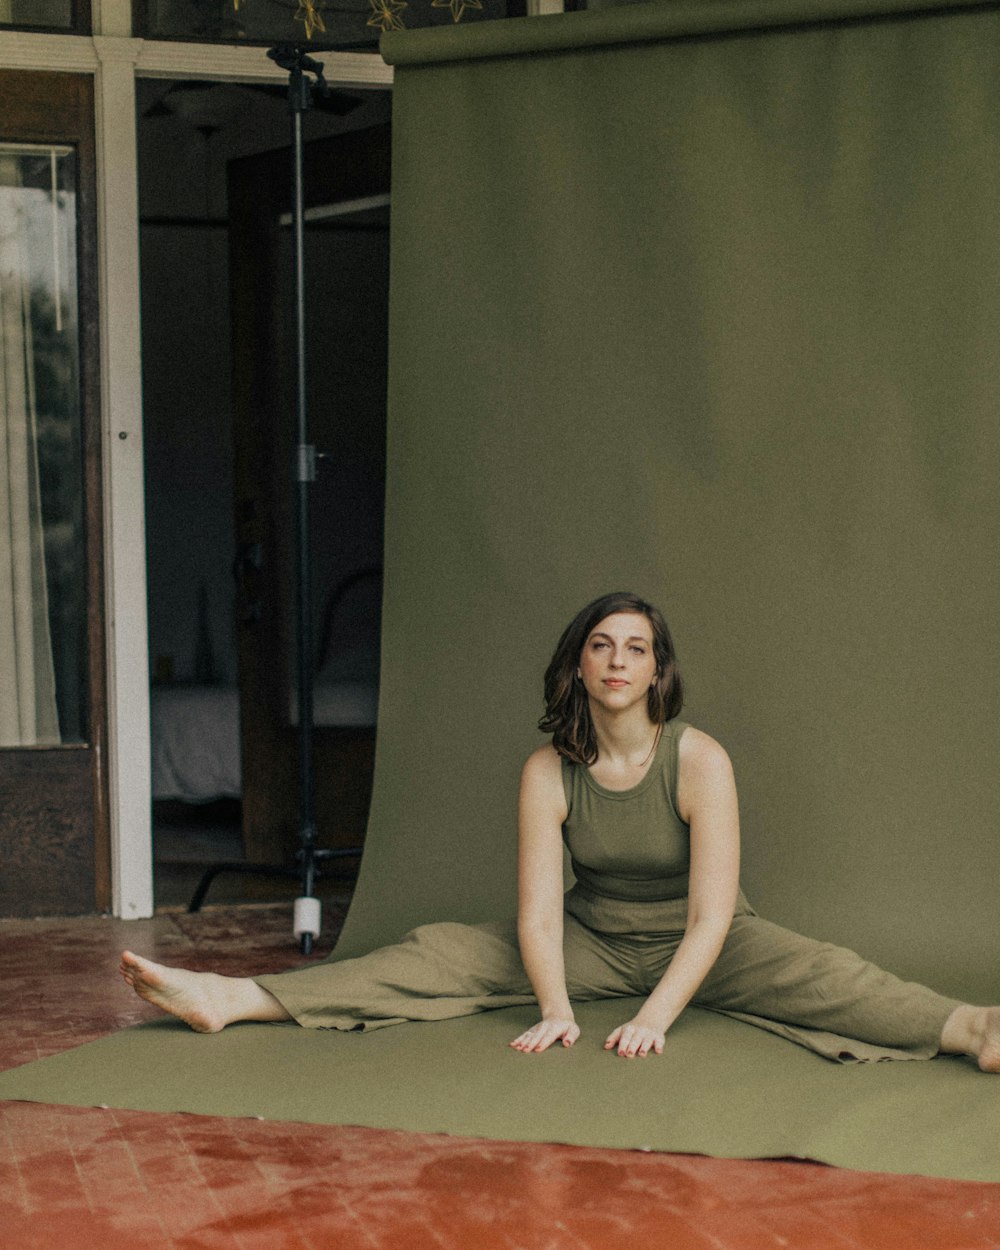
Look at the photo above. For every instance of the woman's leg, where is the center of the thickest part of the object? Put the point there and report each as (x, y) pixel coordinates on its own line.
(204, 1000)
(436, 972)
(771, 972)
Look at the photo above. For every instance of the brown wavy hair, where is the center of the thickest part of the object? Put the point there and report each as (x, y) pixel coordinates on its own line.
(567, 708)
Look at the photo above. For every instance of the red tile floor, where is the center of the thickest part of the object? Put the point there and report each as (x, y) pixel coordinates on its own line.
(93, 1179)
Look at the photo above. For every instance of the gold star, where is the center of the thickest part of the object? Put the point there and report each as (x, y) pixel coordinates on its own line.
(457, 7)
(385, 14)
(309, 16)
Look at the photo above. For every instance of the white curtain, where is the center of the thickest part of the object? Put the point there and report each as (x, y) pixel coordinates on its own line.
(28, 714)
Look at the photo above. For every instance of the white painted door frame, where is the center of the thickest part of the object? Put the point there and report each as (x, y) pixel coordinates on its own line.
(116, 60)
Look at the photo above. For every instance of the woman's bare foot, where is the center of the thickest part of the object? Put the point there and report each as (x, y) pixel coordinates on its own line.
(989, 1054)
(204, 1000)
(974, 1031)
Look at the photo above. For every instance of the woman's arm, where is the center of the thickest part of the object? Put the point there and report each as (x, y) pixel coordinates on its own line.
(707, 801)
(541, 812)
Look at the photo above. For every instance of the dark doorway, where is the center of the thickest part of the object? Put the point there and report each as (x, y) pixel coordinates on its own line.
(214, 179)
(347, 289)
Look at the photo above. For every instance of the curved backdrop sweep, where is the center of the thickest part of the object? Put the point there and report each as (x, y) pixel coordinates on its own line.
(703, 301)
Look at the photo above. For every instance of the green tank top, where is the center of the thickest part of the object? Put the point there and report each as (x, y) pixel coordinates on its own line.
(627, 846)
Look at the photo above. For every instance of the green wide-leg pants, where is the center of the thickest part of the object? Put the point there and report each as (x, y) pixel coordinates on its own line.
(814, 993)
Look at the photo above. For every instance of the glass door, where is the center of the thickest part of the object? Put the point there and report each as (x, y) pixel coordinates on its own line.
(43, 637)
(53, 825)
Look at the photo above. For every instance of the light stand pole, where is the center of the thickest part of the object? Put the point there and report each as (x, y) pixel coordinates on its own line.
(307, 906)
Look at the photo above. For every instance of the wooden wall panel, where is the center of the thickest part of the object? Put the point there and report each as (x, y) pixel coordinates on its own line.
(46, 832)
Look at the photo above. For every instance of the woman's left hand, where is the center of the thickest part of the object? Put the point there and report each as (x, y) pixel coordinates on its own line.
(635, 1038)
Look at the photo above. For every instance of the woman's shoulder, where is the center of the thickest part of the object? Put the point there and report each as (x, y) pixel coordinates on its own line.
(541, 783)
(699, 752)
(704, 772)
(543, 764)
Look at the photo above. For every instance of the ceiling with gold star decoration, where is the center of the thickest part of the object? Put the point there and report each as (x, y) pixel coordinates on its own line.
(457, 7)
(310, 17)
(385, 14)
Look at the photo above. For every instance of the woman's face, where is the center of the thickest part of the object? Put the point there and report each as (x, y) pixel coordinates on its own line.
(617, 663)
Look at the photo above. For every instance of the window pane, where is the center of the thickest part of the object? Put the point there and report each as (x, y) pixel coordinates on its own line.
(43, 618)
(326, 21)
(43, 13)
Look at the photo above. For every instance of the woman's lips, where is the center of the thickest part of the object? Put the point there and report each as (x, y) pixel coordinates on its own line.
(615, 683)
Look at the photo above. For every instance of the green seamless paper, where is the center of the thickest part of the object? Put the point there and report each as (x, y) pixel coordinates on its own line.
(714, 319)
(720, 1087)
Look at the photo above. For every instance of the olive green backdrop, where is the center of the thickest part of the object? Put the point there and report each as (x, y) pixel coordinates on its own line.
(715, 317)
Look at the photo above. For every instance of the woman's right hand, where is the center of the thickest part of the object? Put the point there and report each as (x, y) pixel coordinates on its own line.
(541, 1035)
(541, 811)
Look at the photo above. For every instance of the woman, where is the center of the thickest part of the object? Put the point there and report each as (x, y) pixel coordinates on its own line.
(647, 807)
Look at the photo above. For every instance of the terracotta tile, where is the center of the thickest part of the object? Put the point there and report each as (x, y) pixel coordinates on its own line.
(94, 1231)
(804, 1228)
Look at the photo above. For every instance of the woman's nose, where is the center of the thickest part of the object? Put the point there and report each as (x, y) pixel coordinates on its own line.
(617, 661)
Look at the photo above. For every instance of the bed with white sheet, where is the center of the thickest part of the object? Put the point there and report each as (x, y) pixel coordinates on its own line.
(195, 728)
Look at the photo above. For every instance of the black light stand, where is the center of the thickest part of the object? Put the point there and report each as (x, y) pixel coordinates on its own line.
(307, 922)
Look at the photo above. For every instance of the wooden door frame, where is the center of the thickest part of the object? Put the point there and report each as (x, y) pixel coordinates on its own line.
(59, 108)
